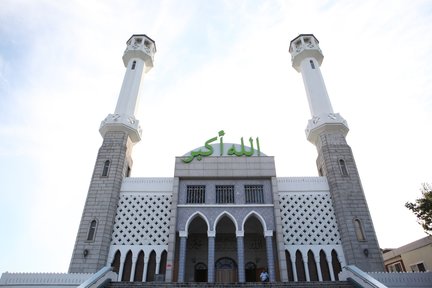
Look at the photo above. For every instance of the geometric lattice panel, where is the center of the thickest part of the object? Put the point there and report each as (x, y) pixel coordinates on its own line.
(308, 219)
(142, 219)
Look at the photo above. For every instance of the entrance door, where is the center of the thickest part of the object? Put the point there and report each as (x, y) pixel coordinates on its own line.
(226, 270)
(200, 272)
(250, 272)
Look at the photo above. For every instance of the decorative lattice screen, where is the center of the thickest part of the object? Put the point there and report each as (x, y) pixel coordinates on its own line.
(308, 219)
(142, 219)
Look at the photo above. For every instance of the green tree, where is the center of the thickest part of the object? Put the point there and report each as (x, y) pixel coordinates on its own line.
(422, 208)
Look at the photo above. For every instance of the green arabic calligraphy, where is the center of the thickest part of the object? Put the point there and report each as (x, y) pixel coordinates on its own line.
(231, 151)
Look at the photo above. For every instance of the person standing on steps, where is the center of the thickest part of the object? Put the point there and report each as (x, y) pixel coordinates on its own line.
(264, 276)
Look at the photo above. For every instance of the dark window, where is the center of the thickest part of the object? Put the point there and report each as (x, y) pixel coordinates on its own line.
(312, 64)
(254, 193)
(224, 194)
(133, 65)
(105, 168)
(195, 194)
(92, 230)
(343, 168)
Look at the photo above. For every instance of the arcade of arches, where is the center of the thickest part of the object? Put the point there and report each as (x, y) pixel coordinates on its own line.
(301, 266)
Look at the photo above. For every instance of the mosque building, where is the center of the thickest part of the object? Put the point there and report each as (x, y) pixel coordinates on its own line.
(225, 216)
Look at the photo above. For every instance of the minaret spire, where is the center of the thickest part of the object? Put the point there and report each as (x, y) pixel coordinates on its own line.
(327, 131)
(306, 58)
(138, 60)
(120, 131)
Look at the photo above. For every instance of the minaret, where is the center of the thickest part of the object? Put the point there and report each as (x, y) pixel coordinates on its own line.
(120, 131)
(327, 131)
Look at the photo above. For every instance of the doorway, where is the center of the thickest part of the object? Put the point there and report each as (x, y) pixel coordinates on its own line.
(226, 270)
(200, 272)
(250, 272)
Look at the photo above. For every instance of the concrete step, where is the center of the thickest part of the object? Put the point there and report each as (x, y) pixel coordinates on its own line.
(337, 284)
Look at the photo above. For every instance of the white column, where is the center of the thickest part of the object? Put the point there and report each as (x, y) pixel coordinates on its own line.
(293, 264)
(158, 259)
(134, 260)
(330, 265)
(146, 260)
(122, 262)
(306, 266)
(318, 267)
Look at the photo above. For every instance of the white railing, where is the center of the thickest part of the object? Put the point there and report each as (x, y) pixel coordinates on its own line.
(404, 279)
(43, 279)
(100, 278)
(353, 274)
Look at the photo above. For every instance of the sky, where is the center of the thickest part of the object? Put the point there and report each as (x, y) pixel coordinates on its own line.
(220, 65)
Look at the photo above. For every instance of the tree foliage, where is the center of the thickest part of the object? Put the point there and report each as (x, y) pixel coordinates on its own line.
(422, 208)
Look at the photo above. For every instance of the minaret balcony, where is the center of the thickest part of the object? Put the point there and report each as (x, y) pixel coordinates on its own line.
(140, 46)
(325, 123)
(121, 122)
(305, 46)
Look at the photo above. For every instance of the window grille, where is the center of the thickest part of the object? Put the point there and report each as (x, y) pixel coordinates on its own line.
(195, 194)
(254, 193)
(224, 194)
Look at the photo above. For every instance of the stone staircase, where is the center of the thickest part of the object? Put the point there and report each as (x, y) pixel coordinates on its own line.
(338, 284)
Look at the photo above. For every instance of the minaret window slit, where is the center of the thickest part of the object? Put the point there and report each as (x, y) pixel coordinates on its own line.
(92, 230)
(312, 64)
(343, 167)
(105, 168)
(133, 65)
(359, 230)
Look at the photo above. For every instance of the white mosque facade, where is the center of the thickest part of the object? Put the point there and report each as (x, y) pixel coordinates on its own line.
(225, 216)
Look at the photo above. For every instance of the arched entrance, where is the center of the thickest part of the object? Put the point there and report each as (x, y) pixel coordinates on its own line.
(226, 270)
(197, 249)
(225, 251)
(254, 248)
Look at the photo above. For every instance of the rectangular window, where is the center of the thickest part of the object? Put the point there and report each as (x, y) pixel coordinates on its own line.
(195, 194)
(395, 267)
(224, 194)
(419, 267)
(254, 193)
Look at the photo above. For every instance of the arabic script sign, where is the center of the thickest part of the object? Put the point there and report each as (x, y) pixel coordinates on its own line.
(235, 149)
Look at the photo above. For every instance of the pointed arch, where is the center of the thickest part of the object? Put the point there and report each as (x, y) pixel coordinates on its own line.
(258, 216)
(337, 267)
(163, 262)
(289, 266)
(127, 267)
(115, 264)
(325, 270)
(139, 267)
(229, 215)
(313, 272)
(193, 216)
(151, 268)
(301, 273)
